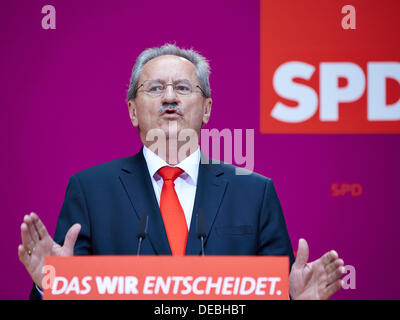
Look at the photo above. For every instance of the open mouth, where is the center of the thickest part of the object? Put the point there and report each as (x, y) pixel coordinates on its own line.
(171, 112)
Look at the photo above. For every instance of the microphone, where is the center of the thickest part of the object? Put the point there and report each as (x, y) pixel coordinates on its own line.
(141, 235)
(201, 229)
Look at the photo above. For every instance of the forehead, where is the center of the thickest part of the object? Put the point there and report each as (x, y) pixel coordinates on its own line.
(168, 67)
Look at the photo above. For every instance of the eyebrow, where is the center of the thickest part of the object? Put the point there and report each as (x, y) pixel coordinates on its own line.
(177, 80)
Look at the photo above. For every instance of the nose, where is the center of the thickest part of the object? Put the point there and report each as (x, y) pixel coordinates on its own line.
(170, 95)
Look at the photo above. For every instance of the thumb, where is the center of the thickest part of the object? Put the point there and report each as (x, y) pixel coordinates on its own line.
(71, 237)
(302, 252)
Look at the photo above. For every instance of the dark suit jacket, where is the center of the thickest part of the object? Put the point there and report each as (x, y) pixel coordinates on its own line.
(242, 213)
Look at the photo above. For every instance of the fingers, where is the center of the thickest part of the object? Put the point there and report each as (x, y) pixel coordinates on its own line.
(39, 226)
(333, 288)
(329, 257)
(302, 252)
(334, 270)
(32, 231)
(26, 237)
(23, 255)
(335, 275)
(71, 237)
(29, 222)
(334, 265)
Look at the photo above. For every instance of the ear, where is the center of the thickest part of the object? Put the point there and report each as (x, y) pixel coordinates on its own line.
(132, 113)
(207, 110)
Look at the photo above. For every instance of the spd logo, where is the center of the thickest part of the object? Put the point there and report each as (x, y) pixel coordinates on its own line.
(317, 77)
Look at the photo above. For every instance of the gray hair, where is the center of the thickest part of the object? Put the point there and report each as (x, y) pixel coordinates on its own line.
(200, 62)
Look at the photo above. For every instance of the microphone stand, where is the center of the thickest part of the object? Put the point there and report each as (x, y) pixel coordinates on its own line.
(141, 235)
(201, 230)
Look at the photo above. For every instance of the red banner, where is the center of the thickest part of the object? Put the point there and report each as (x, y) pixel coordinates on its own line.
(166, 278)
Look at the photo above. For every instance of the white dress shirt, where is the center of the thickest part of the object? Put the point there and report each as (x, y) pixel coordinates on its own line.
(185, 184)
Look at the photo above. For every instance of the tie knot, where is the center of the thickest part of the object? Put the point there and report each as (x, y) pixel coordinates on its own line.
(170, 173)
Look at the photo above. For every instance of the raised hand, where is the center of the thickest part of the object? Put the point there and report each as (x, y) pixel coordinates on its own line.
(317, 280)
(37, 244)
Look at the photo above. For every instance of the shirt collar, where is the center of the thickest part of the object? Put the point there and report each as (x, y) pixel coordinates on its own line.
(189, 165)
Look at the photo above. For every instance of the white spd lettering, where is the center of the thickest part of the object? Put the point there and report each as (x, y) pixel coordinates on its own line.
(331, 94)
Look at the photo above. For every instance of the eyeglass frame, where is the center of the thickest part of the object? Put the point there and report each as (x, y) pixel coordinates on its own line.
(169, 84)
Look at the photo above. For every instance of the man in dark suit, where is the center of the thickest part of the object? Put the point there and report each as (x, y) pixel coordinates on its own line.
(171, 182)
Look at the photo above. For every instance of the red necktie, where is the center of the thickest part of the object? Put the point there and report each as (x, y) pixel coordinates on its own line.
(172, 212)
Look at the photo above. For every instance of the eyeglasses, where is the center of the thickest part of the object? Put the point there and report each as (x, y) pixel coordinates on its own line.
(156, 88)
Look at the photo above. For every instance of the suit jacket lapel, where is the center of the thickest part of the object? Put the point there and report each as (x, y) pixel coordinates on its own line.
(210, 191)
(138, 186)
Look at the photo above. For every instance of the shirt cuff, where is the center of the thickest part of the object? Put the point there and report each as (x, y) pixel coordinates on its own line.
(38, 289)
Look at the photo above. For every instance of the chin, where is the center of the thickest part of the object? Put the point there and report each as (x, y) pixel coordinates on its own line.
(171, 128)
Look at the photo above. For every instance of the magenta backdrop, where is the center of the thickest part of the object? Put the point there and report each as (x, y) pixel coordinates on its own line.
(63, 110)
